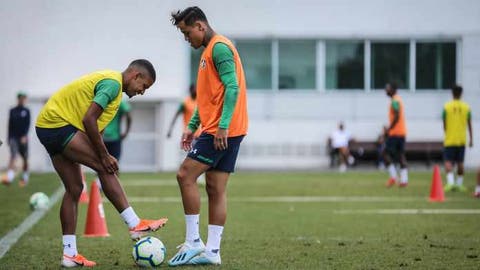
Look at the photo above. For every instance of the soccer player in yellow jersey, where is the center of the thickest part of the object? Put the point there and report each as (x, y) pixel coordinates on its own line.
(69, 127)
(222, 113)
(456, 118)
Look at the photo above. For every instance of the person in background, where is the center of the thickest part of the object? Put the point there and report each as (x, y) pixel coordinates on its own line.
(186, 109)
(476, 194)
(339, 144)
(456, 117)
(396, 134)
(18, 127)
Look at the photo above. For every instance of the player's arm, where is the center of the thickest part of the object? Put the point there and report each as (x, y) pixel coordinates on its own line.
(225, 65)
(396, 114)
(470, 131)
(180, 110)
(187, 136)
(444, 120)
(25, 127)
(10, 126)
(105, 91)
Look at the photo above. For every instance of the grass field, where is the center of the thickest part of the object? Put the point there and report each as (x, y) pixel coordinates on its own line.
(276, 221)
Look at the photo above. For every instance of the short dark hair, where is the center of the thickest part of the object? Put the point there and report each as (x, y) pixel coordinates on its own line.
(393, 85)
(457, 90)
(145, 64)
(189, 16)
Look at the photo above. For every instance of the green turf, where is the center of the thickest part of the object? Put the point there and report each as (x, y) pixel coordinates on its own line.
(335, 234)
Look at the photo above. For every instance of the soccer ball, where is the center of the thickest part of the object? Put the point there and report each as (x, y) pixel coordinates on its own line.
(39, 201)
(149, 252)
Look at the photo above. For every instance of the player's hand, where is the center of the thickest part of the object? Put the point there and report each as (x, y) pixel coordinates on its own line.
(110, 163)
(187, 138)
(23, 140)
(220, 142)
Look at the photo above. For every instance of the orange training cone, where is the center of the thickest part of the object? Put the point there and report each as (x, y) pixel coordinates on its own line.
(96, 226)
(84, 195)
(436, 191)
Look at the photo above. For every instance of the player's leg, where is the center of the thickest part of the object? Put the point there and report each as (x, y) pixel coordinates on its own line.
(216, 187)
(448, 156)
(403, 162)
(81, 150)
(343, 151)
(71, 176)
(477, 188)
(23, 150)
(114, 149)
(187, 175)
(388, 155)
(10, 175)
(460, 155)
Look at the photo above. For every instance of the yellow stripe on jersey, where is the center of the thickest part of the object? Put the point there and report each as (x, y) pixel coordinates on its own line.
(456, 115)
(70, 104)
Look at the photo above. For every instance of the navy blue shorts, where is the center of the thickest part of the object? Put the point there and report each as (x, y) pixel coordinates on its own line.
(220, 160)
(395, 146)
(114, 148)
(454, 153)
(17, 147)
(55, 139)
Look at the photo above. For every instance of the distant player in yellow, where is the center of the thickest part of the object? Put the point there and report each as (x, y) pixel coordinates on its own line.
(456, 118)
(69, 127)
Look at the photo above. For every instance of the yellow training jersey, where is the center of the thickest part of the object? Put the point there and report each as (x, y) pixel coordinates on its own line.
(70, 104)
(456, 114)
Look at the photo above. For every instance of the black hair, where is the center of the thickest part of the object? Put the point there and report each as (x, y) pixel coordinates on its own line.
(457, 90)
(393, 85)
(189, 16)
(145, 64)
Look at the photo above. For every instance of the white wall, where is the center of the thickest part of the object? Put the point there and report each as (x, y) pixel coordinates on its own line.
(45, 44)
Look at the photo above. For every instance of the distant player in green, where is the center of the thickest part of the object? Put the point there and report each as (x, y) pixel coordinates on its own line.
(113, 136)
(456, 118)
(69, 127)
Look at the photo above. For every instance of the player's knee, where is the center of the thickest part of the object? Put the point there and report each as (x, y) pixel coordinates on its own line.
(75, 191)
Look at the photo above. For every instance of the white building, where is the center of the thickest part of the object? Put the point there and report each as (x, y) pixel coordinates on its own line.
(309, 64)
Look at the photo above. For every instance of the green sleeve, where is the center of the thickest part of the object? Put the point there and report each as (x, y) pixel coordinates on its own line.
(124, 107)
(395, 105)
(223, 60)
(194, 121)
(469, 116)
(105, 91)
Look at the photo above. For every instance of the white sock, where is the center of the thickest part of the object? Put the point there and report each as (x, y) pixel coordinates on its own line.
(192, 230)
(477, 189)
(404, 175)
(213, 241)
(10, 175)
(70, 245)
(130, 217)
(450, 178)
(459, 180)
(392, 171)
(26, 176)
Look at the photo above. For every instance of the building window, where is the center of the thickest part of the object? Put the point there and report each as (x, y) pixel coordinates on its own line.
(256, 56)
(344, 65)
(389, 63)
(435, 65)
(195, 55)
(297, 64)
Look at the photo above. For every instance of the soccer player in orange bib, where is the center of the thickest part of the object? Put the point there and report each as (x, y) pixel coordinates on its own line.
(187, 107)
(222, 113)
(396, 134)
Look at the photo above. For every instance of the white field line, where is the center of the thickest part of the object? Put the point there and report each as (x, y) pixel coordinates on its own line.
(290, 199)
(12, 237)
(410, 211)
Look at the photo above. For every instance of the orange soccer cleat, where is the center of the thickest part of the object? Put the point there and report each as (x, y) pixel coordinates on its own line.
(145, 226)
(77, 260)
(391, 182)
